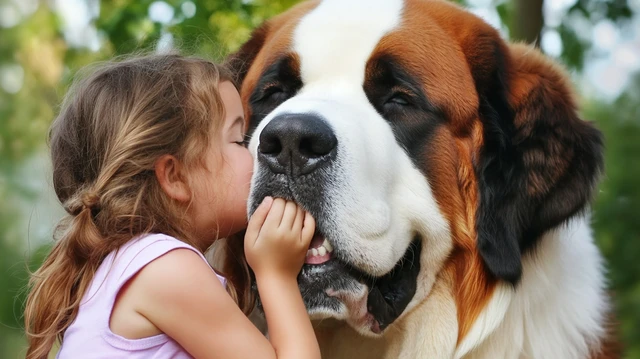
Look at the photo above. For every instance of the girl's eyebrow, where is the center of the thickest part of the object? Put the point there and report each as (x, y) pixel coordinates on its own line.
(238, 120)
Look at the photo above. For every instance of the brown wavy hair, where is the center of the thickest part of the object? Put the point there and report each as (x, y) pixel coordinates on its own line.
(113, 126)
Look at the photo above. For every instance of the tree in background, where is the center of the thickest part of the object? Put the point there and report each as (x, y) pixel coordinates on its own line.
(525, 22)
(39, 55)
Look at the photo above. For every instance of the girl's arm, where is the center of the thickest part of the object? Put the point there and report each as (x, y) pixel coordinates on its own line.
(184, 299)
(290, 330)
(276, 253)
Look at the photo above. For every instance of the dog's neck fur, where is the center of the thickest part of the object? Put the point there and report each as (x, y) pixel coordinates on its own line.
(556, 311)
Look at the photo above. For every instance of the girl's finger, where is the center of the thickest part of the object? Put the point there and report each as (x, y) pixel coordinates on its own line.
(289, 216)
(257, 220)
(275, 213)
(298, 222)
(308, 229)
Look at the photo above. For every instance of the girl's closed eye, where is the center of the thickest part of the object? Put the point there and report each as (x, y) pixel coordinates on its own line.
(236, 132)
(241, 139)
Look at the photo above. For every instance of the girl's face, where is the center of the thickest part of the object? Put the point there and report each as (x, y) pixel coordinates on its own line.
(220, 192)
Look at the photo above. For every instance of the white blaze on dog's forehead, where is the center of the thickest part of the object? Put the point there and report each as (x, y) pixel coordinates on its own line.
(338, 36)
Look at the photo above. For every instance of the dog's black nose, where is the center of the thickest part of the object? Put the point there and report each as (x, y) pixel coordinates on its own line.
(297, 144)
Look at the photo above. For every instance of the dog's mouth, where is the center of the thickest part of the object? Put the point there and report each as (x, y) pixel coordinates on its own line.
(331, 287)
(320, 250)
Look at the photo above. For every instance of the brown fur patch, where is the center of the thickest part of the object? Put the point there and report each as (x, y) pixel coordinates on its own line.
(431, 57)
(609, 347)
(449, 85)
(536, 79)
(474, 287)
(449, 161)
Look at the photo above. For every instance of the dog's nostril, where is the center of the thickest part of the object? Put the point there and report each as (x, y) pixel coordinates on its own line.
(312, 147)
(270, 145)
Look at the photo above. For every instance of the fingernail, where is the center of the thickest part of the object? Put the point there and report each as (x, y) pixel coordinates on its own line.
(267, 200)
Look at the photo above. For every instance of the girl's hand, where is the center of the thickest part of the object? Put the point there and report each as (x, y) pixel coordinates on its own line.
(277, 238)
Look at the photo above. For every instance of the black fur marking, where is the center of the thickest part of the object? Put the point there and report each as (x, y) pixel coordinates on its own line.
(278, 83)
(390, 295)
(399, 99)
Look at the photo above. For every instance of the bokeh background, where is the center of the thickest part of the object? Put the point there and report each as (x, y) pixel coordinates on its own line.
(44, 43)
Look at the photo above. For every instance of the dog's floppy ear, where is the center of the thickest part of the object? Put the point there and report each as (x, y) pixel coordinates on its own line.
(539, 162)
(239, 62)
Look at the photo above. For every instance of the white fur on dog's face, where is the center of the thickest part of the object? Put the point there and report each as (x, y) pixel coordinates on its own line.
(375, 201)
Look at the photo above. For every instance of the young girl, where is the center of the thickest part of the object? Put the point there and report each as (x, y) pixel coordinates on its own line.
(150, 163)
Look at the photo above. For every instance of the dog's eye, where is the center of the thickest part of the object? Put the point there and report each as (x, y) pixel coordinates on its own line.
(272, 92)
(398, 99)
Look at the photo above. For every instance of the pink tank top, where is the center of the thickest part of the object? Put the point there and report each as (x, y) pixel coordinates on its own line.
(89, 336)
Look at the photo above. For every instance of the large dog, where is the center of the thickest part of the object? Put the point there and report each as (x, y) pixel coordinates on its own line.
(448, 172)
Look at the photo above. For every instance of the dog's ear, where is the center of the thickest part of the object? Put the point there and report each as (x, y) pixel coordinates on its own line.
(239, 62)
(539, 163)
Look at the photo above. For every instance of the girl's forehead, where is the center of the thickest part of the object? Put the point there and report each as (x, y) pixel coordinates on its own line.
(232, 103)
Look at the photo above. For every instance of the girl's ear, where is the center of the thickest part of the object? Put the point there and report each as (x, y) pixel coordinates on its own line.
(170, 175)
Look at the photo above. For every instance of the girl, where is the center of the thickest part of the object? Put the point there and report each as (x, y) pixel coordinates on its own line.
(150, 163)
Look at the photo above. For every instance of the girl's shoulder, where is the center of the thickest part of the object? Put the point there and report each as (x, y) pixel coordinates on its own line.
(140, 251)
(91, 331)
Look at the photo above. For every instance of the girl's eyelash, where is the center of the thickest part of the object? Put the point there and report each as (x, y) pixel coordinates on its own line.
(244, 142)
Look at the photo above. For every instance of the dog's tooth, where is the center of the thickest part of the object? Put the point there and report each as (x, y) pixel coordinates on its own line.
(327, 245)
(309, 253)
(322, 251)
(314, 252)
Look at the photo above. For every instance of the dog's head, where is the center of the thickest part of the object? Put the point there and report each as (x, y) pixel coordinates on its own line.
(419, 140)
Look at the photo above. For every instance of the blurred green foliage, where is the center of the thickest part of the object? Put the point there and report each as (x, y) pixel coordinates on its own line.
(615, 218)
(36, 52)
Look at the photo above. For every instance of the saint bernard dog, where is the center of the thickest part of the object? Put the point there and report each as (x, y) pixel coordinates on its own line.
(449, 174)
